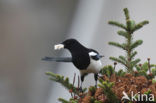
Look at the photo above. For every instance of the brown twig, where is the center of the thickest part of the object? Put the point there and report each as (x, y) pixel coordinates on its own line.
(115, 63)
(149, 65)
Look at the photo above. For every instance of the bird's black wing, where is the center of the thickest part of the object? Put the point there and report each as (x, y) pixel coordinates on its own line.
(58, 59)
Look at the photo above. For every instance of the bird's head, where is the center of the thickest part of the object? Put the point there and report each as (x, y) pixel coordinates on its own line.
(68, 44)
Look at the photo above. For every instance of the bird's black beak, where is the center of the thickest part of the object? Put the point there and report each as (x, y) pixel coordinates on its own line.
(59, 46)
(101, 56)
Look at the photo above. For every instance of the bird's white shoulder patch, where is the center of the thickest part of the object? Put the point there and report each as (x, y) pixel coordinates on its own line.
(92, 53)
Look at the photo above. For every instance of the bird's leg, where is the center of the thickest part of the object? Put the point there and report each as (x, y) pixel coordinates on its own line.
(96, 78)
(82, 79)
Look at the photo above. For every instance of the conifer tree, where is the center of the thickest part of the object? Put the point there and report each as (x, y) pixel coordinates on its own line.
(129, 45)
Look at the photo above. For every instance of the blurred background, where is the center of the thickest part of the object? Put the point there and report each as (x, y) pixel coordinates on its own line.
(30, 28)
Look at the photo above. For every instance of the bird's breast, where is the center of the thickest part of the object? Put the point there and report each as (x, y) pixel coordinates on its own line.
(94, 67)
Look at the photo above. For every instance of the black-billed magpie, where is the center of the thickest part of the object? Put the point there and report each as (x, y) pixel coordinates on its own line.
(84, 59)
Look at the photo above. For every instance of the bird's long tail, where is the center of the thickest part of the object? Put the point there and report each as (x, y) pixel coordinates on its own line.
(58, 59)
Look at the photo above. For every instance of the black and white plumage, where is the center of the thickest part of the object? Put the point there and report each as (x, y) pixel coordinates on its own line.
(84, 59)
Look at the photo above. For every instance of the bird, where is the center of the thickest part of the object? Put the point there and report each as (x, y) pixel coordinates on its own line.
(86, 60)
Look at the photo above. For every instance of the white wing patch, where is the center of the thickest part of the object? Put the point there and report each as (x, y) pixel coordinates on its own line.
(92, 53)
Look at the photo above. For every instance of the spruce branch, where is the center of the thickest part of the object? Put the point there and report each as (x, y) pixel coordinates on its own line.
(153, 65)
(138, 68)
(133, 54)
(122, 58)
(70, 101)
(107, 70)
(118, 60)
(74, 101)
(133, 63)
(63, 100)
(117, 24)
(142, 73)
(126, 13)
(136, 44)
(146, 69)
(130, 25)
(140, 25)
(122, 46)
(154, 71)
(92, 89)
(120, 73)
(65, 82)
(107, 88)
(123, 33)
(145, 66)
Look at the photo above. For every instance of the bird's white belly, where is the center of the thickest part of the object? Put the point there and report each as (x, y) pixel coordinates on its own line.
(94, 67)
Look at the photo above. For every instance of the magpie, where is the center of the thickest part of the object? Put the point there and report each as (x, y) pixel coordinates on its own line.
(86, 60)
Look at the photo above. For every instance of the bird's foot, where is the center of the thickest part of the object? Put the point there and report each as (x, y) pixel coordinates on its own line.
(81, 90)
(96, 86)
